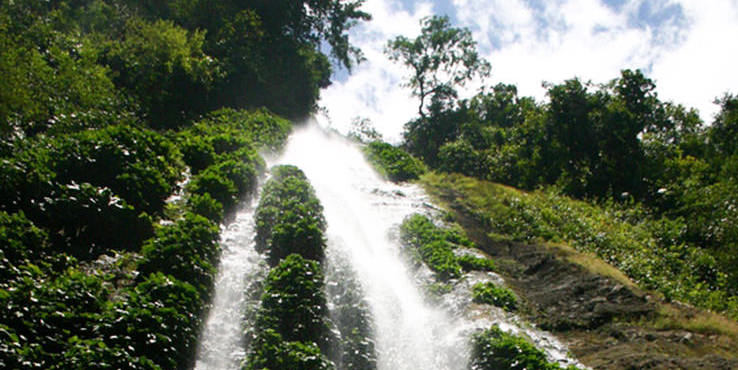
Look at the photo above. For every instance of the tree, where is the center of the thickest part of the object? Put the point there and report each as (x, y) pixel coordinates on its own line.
(441, 58)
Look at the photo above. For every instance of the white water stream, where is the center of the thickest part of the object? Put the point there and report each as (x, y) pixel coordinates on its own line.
(241, 270)
(363, 213)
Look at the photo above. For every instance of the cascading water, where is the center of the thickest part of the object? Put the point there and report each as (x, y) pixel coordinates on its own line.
(241, 270)
(363, 213)
(360, 209)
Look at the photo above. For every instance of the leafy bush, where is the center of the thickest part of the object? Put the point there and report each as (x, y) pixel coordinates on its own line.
(80, 218)
(292, 317)
(393, 162)
(262, 127)
(494, 349)
(271, 351)
(490, 293)
(460, 157)
(41, 314)
(187, 250)
(156, 324)
(469, 262)
(22, 241)
(139, 165)
(289, 218)
(165, 68)
(434, 245)
(204, 205)
(216, 185)
(197, 152)
(51, 81)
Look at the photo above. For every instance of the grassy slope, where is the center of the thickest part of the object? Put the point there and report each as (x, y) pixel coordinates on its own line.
(601, 240)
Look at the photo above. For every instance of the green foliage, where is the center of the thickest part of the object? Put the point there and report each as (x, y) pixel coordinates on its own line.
(138, 165)
(434, 246)
(42, 313)
(80, 218)
(291, 323)
(649, 251)
(162, 302)
(490, 293)
(393, 162)
(225, 182)
(289, 217)
(469, 262)
(293, 302)
(204, 205)
(165, 68)
(187, 250)
(51, 81)
(495, 349)
(459, 156)
(22, 241)
(271, 351)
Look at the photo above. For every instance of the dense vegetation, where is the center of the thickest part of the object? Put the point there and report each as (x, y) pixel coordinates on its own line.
(495, 349)
(393, 162)
(664, 181)
(490, 293)
(293, 330)
(435, 246)
(105, 105)
(88, 274)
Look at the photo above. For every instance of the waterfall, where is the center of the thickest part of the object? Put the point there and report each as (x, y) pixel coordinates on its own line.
(241, 270)
(361, 210)
(363, 213)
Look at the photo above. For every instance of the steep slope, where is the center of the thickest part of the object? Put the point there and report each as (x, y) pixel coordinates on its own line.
(608, 321)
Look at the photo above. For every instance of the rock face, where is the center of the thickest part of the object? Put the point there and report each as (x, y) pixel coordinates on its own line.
(564, 296)
(605, 322)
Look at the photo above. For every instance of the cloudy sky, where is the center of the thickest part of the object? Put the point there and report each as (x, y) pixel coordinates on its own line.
(688, 47)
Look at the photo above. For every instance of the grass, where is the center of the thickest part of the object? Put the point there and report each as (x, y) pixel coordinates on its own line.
(672, 317)
(590, 263)
(617, 242)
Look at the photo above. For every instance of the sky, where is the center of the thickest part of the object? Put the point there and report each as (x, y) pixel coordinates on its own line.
(688, 47)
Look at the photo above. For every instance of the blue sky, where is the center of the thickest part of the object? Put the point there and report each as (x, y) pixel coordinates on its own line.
(687, 46)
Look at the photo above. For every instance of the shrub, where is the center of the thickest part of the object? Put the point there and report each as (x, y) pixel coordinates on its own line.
(197, 153)
(434, 245)
(22, 241)
(204, 205)
(216, 185)
(460, 157)
(489, 293)
(289, 218)
(393, 162)
(293, 302)
(39, 314)
(157, 323)
(80, 218)
(140, 166)
(271, 351)
(262, 129)
(291, 323)
(494, 349)
(469, 262)
(187, 250)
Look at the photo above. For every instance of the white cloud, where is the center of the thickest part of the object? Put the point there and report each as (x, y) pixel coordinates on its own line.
(373, 90)
(691, 60)
(704, 66)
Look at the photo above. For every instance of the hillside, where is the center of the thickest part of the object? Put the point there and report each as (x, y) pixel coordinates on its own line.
(554, 253)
